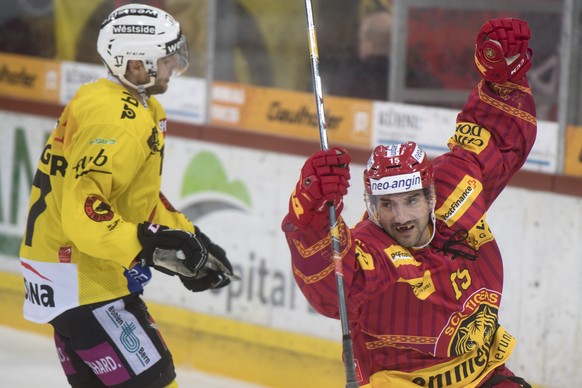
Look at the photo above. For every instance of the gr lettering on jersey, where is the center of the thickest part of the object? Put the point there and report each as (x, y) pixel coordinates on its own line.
(470, 136)
(56, 163)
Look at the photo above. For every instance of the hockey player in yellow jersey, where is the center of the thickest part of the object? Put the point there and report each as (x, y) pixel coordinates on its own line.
(98, 222)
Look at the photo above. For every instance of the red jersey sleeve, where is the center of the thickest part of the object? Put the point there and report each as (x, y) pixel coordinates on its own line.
(495, 132)
(365, 264)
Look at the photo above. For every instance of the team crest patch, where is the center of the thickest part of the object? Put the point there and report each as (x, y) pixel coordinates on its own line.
(154, 141)
(97, 209)
(473, 327)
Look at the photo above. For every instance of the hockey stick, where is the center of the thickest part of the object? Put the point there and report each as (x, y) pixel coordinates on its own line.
(347, 346)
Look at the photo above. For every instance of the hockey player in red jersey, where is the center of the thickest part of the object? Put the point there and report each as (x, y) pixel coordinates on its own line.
(423, 274)
(97, 221)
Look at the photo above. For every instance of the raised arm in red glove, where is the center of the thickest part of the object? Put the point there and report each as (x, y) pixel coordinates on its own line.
(324, 178)
(501, 50)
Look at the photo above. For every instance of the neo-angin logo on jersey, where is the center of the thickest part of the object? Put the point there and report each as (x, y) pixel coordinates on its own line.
(97, 209)
(396, 184)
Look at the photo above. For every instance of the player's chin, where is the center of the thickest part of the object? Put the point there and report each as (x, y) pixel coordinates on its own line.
(158, 88)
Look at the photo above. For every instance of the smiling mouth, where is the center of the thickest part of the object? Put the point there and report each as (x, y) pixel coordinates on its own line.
(404, 229)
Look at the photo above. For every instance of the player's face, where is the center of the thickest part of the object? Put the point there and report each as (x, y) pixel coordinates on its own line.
(167, 67)
(406, 217)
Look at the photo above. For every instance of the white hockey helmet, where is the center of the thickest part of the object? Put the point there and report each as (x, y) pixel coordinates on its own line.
(144, 33)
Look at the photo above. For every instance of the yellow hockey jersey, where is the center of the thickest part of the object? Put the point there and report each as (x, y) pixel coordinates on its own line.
(99, 175)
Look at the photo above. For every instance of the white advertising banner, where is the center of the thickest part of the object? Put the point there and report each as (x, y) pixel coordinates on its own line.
(185, 100)
(431, 128)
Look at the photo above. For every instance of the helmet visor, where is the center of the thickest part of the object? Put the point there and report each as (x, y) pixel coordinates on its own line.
(177, 62)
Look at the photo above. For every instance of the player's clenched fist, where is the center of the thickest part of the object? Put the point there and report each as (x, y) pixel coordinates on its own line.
(501, 50)
(324, 179)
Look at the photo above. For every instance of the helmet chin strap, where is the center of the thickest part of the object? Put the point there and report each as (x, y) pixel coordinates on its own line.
(432, 219)
(140, 89)
(433, 227)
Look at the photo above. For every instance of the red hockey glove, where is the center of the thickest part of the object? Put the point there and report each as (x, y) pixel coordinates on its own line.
(324, 178)
(501, 50)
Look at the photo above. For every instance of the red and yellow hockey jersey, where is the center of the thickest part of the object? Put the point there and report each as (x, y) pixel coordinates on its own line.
(429, 317)
(99, 176)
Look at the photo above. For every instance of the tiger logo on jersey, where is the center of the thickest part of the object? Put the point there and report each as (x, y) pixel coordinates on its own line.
(475, 331)
(473, 327)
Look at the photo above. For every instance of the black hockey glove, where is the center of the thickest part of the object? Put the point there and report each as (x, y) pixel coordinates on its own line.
(216, 273)
(172, 251)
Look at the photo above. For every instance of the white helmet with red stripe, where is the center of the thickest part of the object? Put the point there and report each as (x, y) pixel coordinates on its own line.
(396, 168)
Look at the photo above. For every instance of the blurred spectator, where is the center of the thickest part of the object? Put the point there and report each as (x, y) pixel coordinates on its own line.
(80, 46)
(27, 29)
(544, 83)
(369, 77)
(86, 50)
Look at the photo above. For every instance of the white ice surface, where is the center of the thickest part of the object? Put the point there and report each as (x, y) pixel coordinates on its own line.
(29, 360)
